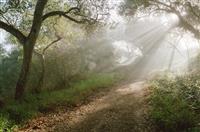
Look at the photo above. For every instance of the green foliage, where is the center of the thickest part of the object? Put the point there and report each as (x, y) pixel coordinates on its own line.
(79, 91)
(4, 123)
(9, 71)
(176, 103)
(18, 112)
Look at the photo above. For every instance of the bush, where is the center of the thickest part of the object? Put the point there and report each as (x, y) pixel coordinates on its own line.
(5, 124)
(175, 103)
(20, 112)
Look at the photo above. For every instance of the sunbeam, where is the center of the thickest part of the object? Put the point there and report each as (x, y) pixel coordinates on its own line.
(151, 50)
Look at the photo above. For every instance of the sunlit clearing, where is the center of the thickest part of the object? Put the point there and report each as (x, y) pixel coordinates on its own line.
(125, 52)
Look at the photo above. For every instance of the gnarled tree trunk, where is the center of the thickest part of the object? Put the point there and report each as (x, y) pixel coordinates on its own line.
(25, 68)
(28, 47)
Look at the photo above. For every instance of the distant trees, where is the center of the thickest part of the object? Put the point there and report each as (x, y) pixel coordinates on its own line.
(61, 65)
(24, 19)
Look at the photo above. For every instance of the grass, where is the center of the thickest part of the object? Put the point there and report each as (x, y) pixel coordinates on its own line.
(32, 105)
(175, 104)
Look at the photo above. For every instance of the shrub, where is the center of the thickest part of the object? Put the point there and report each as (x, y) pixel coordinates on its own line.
(4, 123)
(175, 103)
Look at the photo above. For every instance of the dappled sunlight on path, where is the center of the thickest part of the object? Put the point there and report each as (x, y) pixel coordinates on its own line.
(122, 109)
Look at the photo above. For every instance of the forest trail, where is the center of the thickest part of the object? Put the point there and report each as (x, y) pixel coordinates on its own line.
(121, 109)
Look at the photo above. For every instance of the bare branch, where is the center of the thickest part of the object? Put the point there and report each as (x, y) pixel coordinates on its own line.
(49, 45)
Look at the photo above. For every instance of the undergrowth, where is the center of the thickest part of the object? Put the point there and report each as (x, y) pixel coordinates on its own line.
(175, 104)
(33, 104)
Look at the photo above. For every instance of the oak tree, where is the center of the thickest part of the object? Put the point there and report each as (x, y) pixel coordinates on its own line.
(24, 19)
(188, 11)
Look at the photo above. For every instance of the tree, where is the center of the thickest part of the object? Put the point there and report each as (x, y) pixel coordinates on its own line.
(188, 11)
(14, 20)
(42, 58)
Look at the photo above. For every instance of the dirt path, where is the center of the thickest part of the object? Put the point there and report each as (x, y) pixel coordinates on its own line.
(122, 109)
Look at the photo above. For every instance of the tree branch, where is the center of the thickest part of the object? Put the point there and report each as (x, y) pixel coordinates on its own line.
(49, 45)
(163, 4)
(193, 12)
(12, 30)
(37, 19)
(59, 13)
(65, 14)
(183, 22)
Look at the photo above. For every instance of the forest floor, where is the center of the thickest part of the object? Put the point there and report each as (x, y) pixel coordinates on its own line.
(119, 109)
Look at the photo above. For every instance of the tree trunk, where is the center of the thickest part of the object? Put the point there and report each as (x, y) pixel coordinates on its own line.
(25, 68)
(28, 47)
